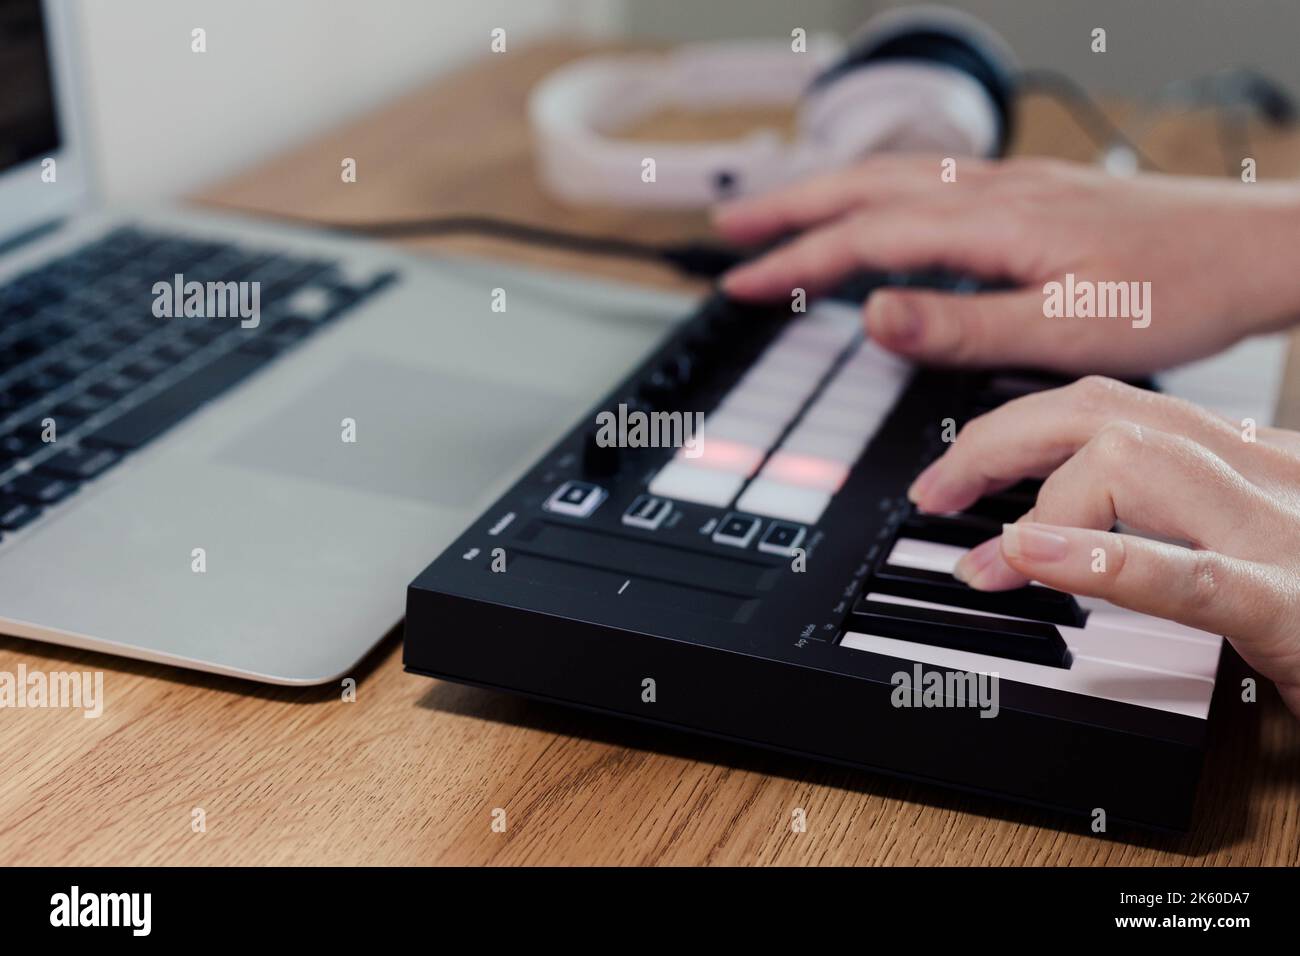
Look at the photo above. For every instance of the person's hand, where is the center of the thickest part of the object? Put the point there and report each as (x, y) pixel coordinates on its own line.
(1114, 453)
(1219, 256)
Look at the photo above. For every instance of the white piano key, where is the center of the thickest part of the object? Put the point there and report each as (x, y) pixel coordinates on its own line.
(926, 555)
(685, 481)
(776, 499)
(1143, 687)
(1100, 639)
(1241, 382)
(1122, 617)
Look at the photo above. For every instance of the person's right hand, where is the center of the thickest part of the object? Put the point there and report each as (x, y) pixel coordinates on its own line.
(1219, 256)
(1111, 452)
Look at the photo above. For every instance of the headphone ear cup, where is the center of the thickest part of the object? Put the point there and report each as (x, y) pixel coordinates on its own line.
(929, 42)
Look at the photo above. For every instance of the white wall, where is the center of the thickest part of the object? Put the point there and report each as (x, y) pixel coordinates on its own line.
(164, 120)
(1150, 42)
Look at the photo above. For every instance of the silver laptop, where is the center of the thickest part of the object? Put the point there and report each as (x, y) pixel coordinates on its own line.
(229, 445)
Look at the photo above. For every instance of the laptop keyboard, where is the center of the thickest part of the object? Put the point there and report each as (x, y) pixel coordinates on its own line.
(89, 373)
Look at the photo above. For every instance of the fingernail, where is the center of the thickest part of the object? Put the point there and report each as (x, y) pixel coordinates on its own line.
(924, 481)
(730, 279)
(897, 320)
(974, 561)
(1033, 542)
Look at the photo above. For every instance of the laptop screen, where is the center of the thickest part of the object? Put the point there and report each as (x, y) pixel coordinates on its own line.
(28, 125)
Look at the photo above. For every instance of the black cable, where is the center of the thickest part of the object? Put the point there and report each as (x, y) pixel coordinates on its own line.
(703, 259)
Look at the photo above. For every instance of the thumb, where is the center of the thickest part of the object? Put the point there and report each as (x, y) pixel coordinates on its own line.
(991, 328)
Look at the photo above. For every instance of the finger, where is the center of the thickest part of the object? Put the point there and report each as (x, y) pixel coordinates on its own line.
(1253, 605)
(887, 240)
(1198, 498)
(1031, 436)
(818, 199)
(992, 328)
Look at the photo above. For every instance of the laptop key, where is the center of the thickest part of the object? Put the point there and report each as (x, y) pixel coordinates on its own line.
(154, 416)
(82, 464)
(39, 487)
(14, 512)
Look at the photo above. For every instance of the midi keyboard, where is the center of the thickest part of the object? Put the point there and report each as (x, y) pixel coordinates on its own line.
(767, 581)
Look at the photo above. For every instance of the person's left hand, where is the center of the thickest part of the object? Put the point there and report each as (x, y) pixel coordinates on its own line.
(1110, 452)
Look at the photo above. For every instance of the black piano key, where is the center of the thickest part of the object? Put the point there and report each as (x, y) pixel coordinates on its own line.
(1032, 601)
(1029, 641)
(152, 417)
(1004, 509)
(962, 530)
(1010, 385)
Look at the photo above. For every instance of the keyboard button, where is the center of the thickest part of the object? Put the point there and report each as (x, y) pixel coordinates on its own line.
(834, 446)
(838, 418)
(773, 379)
(16, 445)
(82, 464)
(39, 488)
(777, 499)
(154, 416)
(80, 406)
(145, 368)
(738, 427)
(1034, 602)
(113, 387)
(1029, 641)
(14, 512)
(782, 538)
(312, 303)
(647, 512)
(756, 403)
(683, 480)
(806, 471)
(736, 531)
(577, 499)
(723, 455)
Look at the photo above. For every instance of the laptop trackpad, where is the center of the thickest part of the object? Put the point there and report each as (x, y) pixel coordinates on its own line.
(430, 435)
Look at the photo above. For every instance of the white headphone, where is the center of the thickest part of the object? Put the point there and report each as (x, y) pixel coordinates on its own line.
(916, 79)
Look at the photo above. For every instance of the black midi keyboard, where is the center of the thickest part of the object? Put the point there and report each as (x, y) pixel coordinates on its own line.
(765, 579)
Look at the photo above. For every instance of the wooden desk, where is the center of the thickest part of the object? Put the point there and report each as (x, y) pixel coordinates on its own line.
(411, 772)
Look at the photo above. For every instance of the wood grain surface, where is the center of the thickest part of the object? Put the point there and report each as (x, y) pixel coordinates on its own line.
(413, 770)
